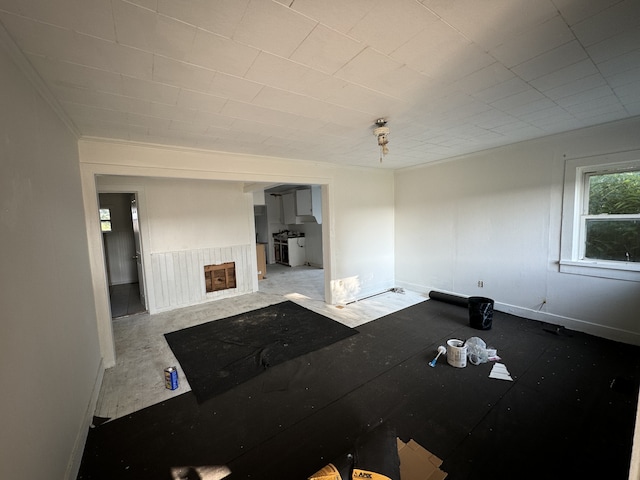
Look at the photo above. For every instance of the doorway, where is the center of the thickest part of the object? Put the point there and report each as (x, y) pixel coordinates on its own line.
(123, 253)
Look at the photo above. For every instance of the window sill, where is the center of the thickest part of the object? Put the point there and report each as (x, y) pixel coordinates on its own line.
(602, 269)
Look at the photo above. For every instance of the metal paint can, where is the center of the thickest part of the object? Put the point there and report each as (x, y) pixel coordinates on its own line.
(171, 378)
(456, 353)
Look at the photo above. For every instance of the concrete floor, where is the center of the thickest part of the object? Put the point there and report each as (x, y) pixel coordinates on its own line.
(142, 353)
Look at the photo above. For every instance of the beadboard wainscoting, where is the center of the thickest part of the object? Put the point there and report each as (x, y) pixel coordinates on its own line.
(178, 277)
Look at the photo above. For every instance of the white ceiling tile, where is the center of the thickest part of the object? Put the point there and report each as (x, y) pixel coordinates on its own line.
(551, 113)
(229, 86)
(586, 97)
(580, 84)
(144, 29)
(221, 54)
(608, 23)
(623, 43)
(624, 78)
(490, 119)
(565, 75)
(392, 24)
(272, 27)
(336, 14)
(85, 113)
(299, 104)
(74, 75)
(270, 116)
(486, 77)
(629, 92)
(404, 83)
(150, 91)
(491, 23)
(595, 106)
(533, 42)
(441, 91)
(180, 74)
(513, 102)
(602, 115)
(281, 73)
(326, 50)
(107, 101)
(200, 101)
(633, 107)
(93, 17)
(66, 45)
(368, 68)
(551, 61)
(505, 89)
(440, 51)
(518, 126)
(148, 121)
(150, 4)
(620, 64)
(365, 100)
(220, 16)
(575, 12)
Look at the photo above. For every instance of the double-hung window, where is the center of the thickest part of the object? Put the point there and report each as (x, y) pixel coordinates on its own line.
(601, 217)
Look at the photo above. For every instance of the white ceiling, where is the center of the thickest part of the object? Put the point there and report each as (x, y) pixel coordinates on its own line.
(307, 79)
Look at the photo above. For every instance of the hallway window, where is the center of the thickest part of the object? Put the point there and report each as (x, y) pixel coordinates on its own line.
(105, 220)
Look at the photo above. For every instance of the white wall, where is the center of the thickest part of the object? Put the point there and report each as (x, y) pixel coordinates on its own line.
(185, 225)
(495, 217)
(357, 211)
(49, 349)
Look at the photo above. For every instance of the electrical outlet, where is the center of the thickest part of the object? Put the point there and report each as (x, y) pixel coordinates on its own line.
(480, 284)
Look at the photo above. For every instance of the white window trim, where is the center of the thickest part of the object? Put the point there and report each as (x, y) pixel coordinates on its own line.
(571, 247)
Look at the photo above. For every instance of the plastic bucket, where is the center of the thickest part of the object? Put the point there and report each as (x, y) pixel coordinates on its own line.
(480, 312)
(456, 353)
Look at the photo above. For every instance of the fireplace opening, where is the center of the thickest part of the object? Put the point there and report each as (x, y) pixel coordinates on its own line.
(220, 277)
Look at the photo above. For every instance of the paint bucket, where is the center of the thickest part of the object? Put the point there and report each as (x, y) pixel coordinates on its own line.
(456, 353)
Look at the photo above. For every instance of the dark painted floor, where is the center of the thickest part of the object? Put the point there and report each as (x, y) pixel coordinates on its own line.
(569, 413)
(125, 300)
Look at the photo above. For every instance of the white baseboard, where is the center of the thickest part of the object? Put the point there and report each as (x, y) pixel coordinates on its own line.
(603, 331)
(73, 466)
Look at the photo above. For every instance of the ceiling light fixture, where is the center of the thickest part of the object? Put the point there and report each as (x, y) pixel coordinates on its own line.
(382, 133)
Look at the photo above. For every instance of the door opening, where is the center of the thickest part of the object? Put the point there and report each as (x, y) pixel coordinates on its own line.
(123, 253)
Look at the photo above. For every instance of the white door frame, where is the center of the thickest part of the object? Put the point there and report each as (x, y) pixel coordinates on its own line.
(89, 172)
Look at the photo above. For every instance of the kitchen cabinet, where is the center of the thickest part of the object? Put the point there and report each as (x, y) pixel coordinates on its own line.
(289, 208)
(289, 251)
(303, 202)
(309, 204)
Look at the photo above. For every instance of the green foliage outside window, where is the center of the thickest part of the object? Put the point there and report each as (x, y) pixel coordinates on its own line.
(105, 219)
(614, 235)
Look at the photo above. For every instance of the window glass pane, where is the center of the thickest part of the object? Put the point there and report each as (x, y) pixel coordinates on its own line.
(617, 240)
(614, 193)
(105, 214)
(105, 226)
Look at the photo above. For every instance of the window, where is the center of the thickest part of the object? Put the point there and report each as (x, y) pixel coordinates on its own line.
(601, 217)
(610, 224)
(105, 220)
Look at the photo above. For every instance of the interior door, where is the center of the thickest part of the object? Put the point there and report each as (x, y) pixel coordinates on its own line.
(138, 247)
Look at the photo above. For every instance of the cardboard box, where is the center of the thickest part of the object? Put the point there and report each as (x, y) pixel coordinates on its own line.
(418, 463)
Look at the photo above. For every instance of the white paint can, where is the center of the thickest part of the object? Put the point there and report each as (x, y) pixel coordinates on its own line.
(456, 353)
